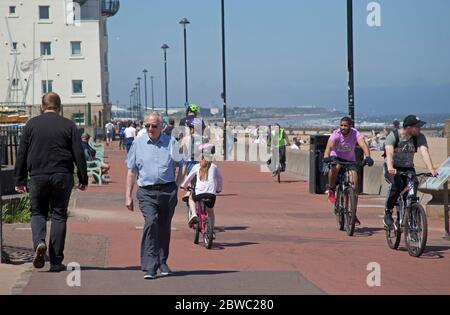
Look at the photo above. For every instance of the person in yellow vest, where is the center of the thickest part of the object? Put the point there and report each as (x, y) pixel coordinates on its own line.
(278, 138)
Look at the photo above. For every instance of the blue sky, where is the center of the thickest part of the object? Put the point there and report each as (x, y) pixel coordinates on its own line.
(287, 53)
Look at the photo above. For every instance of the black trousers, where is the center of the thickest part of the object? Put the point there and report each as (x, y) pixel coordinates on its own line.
(50, 193)
(158, 208)
(396, 185)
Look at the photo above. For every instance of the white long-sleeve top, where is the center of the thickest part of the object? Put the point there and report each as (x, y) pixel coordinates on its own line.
(213, 185)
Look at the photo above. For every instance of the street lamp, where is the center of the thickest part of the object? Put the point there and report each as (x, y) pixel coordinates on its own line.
(351, 84)
(164, 48)
(224, 93)
(131, 103)
(145, 88)
(139, 97)
(153, 94)
(185, 22)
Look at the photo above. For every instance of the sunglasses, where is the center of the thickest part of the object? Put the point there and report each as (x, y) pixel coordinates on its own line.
(148, 126)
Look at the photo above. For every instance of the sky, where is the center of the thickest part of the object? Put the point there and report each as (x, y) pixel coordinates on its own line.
(286, 53)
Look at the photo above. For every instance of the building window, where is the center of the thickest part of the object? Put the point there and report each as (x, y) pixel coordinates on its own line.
(75, 48)
(46, 48)
(77, 86)
(12, 10)
(47, 86)
(15, 83)
(44, 12)
(14, 46)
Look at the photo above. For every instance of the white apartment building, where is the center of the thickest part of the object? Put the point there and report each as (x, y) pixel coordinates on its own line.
(60, 46)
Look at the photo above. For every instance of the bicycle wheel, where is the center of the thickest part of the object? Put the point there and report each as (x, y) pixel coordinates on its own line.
(208, 234)
(416, 230)
(394, 232)
(338, 205)
(196, 232)
(350, 211)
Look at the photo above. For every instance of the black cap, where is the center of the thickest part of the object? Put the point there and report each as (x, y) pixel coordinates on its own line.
(413, 121)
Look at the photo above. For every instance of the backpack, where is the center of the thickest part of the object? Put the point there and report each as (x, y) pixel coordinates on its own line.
(397, 140)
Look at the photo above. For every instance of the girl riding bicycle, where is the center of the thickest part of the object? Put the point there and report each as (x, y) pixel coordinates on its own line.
(209, 182)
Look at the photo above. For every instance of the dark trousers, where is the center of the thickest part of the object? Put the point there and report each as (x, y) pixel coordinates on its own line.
(50, 192)
(396, 185)
(128, 142)
(158, 208)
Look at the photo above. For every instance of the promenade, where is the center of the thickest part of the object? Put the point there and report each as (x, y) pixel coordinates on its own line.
(271, 239)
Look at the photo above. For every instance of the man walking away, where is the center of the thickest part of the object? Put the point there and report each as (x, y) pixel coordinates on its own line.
(109, 133)
(49, 147)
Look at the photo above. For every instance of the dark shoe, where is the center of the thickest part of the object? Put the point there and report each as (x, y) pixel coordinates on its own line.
(165, 270)
(38, 260)
(57, 268)
(149, 276)
(388, 220)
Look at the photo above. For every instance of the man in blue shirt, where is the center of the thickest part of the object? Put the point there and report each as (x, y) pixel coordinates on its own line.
(153, 159)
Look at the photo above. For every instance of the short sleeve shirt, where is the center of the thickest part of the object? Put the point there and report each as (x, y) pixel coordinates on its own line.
(344, 146)
(404, 153)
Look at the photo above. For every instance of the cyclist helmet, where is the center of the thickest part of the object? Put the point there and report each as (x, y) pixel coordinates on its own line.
(193, 108)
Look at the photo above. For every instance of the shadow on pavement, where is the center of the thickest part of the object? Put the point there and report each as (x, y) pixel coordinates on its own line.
(222, 229)
(182, 273)
(221, 246)
(435, 252)
(367, 231)
(292, 181)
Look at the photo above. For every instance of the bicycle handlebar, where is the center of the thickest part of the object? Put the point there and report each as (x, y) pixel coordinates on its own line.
(411, 174)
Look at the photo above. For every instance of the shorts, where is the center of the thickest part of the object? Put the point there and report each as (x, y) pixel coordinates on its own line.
(353, 167)
(109, 135)
(208, 199)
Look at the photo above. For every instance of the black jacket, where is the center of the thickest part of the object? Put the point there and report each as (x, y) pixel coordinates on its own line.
(50, 144)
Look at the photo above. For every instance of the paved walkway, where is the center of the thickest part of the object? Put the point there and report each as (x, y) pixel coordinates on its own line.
(272, 239)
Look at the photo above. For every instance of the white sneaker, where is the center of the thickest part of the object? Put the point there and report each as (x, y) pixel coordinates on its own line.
(193, 220)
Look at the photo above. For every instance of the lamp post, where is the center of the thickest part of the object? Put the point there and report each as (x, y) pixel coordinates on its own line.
(139, 97)
(185, 22)
(153, 94)
(224, 93)
(164, 48)
(131, 103)
(145, 88)
(351, 85)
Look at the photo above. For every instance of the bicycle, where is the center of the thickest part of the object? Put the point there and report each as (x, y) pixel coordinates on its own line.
(345, 205)
(409, 217)
(279, 167)
(203, 226)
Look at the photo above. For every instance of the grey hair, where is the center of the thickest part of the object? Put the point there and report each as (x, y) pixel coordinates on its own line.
(157, 115)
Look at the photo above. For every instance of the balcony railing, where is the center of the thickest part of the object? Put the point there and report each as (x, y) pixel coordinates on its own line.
(110, 7)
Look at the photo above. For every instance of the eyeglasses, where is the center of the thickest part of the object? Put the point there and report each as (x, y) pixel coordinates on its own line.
(151, 126)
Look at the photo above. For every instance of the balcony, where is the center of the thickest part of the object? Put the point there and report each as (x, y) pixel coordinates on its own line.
(110, 7)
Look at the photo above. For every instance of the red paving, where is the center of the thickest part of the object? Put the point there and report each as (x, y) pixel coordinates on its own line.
(272, 239)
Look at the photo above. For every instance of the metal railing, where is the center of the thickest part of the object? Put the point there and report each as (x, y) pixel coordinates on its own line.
(9, 143)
